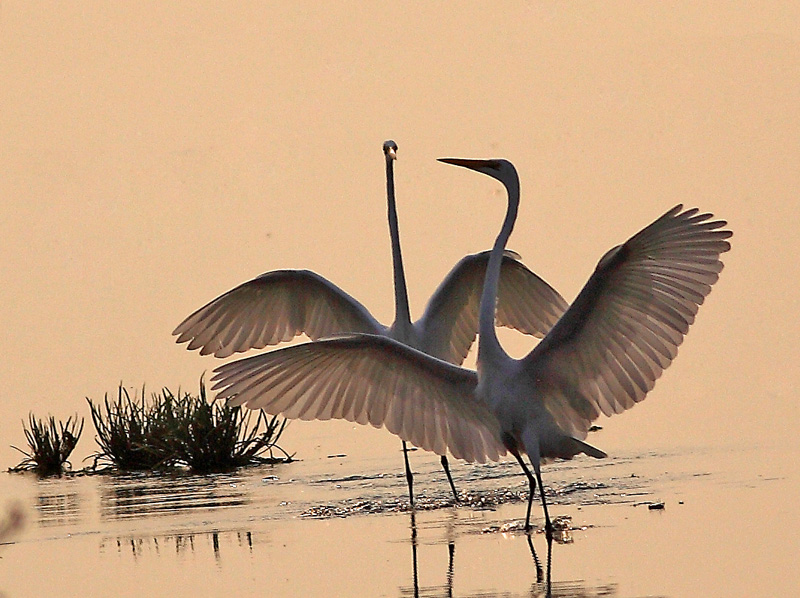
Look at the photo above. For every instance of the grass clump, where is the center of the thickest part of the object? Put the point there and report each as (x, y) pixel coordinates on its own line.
(133, 435)
(50, 443)
(210, 436)
(182, 430)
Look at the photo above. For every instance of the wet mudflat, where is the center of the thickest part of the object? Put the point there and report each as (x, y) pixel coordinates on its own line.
(299, 530)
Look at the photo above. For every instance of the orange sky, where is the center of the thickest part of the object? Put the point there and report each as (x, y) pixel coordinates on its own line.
(154, 156)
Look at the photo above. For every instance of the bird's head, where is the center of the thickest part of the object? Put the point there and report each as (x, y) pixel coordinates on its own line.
(499, 169)
(390, 149)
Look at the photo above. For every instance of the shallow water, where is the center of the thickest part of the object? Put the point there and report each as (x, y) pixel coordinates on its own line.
(289, 530)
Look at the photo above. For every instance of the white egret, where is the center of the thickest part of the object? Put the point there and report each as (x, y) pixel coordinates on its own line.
(279, 305)
(602, 356)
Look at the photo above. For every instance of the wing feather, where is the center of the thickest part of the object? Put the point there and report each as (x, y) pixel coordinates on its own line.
(624, 328)
(525, 302)
(274, 307)
(369, 379)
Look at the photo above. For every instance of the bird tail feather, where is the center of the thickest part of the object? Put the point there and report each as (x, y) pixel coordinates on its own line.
(583, 447)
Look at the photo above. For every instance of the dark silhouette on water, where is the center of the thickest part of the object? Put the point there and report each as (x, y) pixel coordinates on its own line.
(540, 575)
(451, 548)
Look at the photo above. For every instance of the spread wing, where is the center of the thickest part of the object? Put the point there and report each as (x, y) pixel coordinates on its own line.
(369, 379)
(625, 326)
(525, 302)
(274, 307)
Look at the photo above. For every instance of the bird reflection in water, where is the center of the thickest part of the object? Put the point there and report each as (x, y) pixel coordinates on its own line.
(541, 572)
(447, 589)
(542, 577)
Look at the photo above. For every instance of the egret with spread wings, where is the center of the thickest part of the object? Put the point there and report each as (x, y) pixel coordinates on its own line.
(602, 357)
(279, 305)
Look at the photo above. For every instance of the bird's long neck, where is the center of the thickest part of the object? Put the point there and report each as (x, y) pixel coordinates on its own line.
(488, 344)
(402, 315)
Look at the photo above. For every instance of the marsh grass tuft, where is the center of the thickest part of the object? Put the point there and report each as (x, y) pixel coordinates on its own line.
(182, 429)
(133, 435)
(50, 443)
(212, 437)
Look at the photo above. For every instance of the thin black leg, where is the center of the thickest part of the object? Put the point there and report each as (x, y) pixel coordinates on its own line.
(548, 527)
(409, 475)
(532, 489)
(446, 467)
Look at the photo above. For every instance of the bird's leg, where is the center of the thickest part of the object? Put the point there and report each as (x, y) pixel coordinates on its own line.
(446, 467)
(548, 527)
(531, 486)
(531, 444)
(409, 475)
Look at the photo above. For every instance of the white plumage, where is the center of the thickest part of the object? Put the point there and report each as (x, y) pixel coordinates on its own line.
(279, 305)
(602, 356)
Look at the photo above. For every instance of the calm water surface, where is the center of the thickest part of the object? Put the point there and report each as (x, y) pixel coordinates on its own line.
(294, 530)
